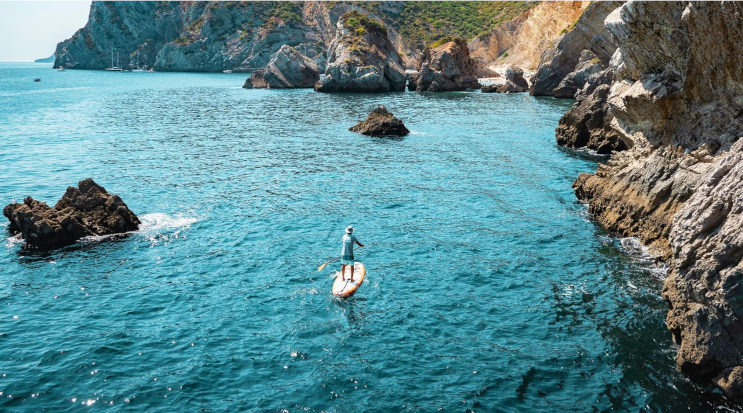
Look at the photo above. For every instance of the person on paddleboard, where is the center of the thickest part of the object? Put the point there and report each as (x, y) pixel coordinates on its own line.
(347, 251)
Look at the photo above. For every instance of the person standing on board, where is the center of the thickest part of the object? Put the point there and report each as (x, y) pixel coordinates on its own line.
(347, 252)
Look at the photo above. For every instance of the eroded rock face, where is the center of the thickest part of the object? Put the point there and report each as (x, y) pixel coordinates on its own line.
(677, 100)
(588, 65)
(588, 123)
(82, 211)
(588, 33)
(381, 122)
(287, 69)
(526, 36)
(705, 288)
(362, 59)
(446, 68)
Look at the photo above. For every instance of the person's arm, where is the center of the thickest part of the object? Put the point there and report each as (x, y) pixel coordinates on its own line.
(357, 242)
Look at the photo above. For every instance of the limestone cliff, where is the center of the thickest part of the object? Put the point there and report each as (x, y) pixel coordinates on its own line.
(361, 58)
(527, 36)
(587, 32)
(676, 99)
(242, 36)
(446, 68)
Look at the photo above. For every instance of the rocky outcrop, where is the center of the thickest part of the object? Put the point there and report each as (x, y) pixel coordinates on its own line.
(515, 82)
(676, 101)
(82, 211)
(381, 122)
(588, 124)
(638, 193)
(588, 64)
(362, 59)
(446, 68)
(587, 33)
(287, 69)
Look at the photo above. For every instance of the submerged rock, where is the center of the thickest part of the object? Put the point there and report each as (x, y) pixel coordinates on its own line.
(515, 82)
(381, 122)
(82, 211)
(287, 69)
(446, 68)
(361, 58)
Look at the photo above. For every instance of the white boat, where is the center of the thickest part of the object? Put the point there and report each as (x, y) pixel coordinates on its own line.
(227, 71)
(113, 68)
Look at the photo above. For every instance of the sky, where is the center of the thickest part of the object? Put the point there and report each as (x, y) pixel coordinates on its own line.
(30, 30)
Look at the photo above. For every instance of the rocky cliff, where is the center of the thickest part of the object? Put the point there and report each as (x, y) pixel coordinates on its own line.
(361, 58)
(522, 41)
(446, 68)
(287, 69)
(214, 36)
(676, 100)
(586, 33)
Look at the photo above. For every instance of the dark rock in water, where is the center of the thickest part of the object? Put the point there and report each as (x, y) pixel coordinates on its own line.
(82, 211)
(515, 82)
(588, 123)
(38, 79)
(381, 122)
(287, 69)
(362, 59)
(446, 68)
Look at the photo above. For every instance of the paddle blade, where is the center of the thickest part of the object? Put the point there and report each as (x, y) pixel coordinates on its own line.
(322, 266)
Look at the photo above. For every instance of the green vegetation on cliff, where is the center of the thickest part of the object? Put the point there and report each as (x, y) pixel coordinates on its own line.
(426, 22)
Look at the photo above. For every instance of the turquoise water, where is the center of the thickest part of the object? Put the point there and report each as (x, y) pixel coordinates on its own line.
(489, 288)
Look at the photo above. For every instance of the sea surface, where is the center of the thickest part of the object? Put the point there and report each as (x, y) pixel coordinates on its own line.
(489, 287)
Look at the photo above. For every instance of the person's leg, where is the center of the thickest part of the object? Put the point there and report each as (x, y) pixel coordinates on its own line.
(351, 272)
(343, 272)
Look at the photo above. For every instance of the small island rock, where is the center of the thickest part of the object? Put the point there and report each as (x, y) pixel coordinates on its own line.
(362, 59)
(446, 68)
(287, 69)
(381, 122)
(82, 211)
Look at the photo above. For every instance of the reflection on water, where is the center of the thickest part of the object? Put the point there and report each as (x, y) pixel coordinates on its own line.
(489, 287)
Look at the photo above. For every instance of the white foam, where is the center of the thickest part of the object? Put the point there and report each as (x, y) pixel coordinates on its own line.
(158, 222)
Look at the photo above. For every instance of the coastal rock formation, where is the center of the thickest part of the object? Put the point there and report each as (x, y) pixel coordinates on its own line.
(588, 64)
(588, 124)
(521, 41)
(82, 211)
(447, 67)
(362, 59)
(515, 82)
(678, 187)
(242, 36)
(287, 69)
(705, 288)
(381, 122)
(587, 33)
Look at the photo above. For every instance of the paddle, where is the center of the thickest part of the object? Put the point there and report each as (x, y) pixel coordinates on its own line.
(336, 258)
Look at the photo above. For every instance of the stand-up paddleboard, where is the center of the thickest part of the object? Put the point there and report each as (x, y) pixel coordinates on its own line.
(345, 289)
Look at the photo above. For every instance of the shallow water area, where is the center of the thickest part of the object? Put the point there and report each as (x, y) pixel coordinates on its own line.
(488, 286)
